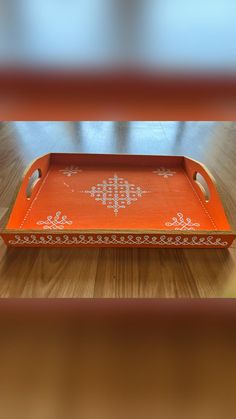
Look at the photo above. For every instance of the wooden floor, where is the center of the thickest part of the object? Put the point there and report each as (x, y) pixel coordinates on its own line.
(119, 272)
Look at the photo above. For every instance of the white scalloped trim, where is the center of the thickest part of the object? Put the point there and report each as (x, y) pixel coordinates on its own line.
(118, 240)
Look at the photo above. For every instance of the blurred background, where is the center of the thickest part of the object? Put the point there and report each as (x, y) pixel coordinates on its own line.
(196, 35)
(112, 360)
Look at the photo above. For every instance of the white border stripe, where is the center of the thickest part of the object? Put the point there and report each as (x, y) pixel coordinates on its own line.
(114, 239)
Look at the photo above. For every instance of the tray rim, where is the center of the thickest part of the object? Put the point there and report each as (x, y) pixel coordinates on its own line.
(121, 231)
(6, 231)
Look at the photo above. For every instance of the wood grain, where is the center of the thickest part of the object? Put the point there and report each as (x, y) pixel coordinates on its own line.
(119, 272)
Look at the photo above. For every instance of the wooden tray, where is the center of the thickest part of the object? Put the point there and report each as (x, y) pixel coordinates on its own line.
(117, 200)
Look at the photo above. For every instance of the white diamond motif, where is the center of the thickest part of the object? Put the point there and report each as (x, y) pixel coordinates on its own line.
(70, 170)
(182, 224)
(55, 222)
(162, 171)
(116, 193)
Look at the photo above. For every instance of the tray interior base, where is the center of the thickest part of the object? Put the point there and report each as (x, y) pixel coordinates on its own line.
(116, 198)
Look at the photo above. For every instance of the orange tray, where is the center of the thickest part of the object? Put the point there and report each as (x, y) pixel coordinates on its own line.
(103, 200)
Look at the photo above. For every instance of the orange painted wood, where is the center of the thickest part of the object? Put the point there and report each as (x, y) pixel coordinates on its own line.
(118, 201)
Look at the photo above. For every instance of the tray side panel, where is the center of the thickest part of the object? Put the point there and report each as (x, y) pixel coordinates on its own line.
(213, 206)
(117, 159)
(22, 204)
(190, 241)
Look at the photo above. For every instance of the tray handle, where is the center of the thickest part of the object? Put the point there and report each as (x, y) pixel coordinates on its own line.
(34, 176)
(202, 180)
(21, 202)
(211, 202)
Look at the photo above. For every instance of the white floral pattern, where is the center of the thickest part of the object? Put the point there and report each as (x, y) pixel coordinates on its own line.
(70, 170)
(116, 193)
(162, 171)
(55, 222)
(181, 223)
(129, 239)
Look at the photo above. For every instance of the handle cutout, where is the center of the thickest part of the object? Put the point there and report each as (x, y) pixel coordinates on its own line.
(33, 180)
(202, 184)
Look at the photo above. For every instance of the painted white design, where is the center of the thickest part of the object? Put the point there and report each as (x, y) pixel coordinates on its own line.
(70, 170)
(55, 222)
(116, 193)
(114, 239)
(68, 186)
(182, 224)
(163, 171)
